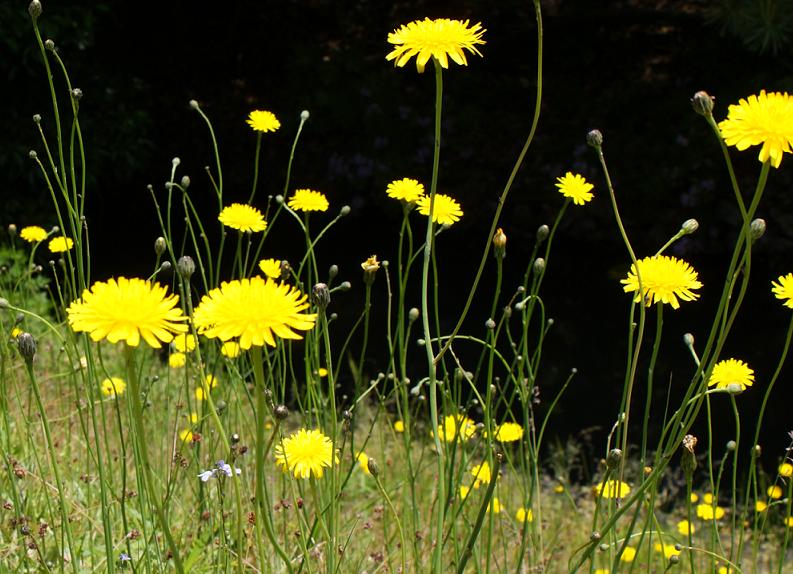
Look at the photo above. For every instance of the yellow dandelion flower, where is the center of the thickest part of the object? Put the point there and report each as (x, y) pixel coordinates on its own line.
(508, 432)
(775, 492)
(664, 279)
(558, 489)
(127, 309)
(707, 498)
(454, 425)
(612, 489)
(210, 382)
(445, 210)
(33, 234)
(629, 554)
(16, 332)
(371, 265)
(399, 426)
(731, 371)
(405, 189)
(253, 310)
(177, 360)
(668, 550)
(185, 435)
(464, 491)
(113, 386)
(243, 218)
(709, 512)
(494, 506)
(60, 244)
(200, 394)
(694, 498)
(524, 515)
(602, 571)
(575, 187)
(184, 343)
(271, 268)
(363, 461)
(481, 474)
(193, 418)
(305, 453)
(785, 469)
(684, 527)
(322, 372)
(440, 39)
(230, 349)
(308, 200)
(789, 521)
(263, 121)
(782, 290)
(765, 119)
(760, 506)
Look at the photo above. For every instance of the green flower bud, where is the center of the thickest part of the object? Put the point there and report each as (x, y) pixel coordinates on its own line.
(702, 104)
(594, 139)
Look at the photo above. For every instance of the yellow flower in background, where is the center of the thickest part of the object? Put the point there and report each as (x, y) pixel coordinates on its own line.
(558, 489)
(575, 187)
(322, 372)
(629, 554)
(707, 498)
(271, 268)
(305, 453)
(694, 498)
(464, 491)
(785, 469)
(185, 435)
(440, 39)
(775, 492)
(253, 310)
(33, 234)
(766, 119)
(731, 371)
(193, 418)
(242, 218)
(200, 394)
(445, 210)
(760, 506)
(523, 515)
(399, 426)
(684, 527)
(508, 432)
(481, 474)
(210, 382)
(454, 425)
(60, 244)
(494, 506)
(308, 200)
(664, 279)
(709, 512)
(612, 489)
(789, 521)
(113, 386)
(405, 189)
(230, 349)
(668, 550)
(125, 310)
(363, 461)
(177, 360)
(782, 290)
(184, 343)
(263, 121)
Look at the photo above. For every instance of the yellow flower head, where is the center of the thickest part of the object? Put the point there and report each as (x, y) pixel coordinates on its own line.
(782, 290)
(694, 498)
(524, 515)
(664, 279)
(399, 426)
(464, 491)
(789, 521)
(127, 309)
(271, 268)
(731, 371)
(575, 187)
(765, 119)
(775, 492)
(185, 435)
(509, 432)
(252, 310)
(371, 264)
(33, 234)
(177, 360)
(113, 387)
(243, 218)
(406, 189)
(200, 394)
(305, 453)
(60, 244)
(230, 349)
(481, 474)
(629, 554)
(684, 527)
(363, 461)
(612, 489)
(452, 425)
(445, 210)
(210, 382)
(785, 469)
(263, 121)
(668, 550)
(494, 506)
(760, 506)
(308, 200)
(440, 39)
(710, 512)
(184, 343)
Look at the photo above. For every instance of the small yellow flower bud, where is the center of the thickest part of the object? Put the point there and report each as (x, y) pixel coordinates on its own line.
(500, 244)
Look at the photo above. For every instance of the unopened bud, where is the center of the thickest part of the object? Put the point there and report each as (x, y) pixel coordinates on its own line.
(27, 346)
(221, 406)
(12, 229)
(345, 210)
(413, 314)
(304, 115)
(77, 94)
(235, 438)
(372, 467)
(542, 233)
(159, 246)
(614, 458)
(688, 339)
(689, 226)
(702, 103)
(165, 266)
(193, 104)
(539, 265)
(345, 286)
(281, 412)
(595, 536)
(49, 45)
(674, 559)
(36, 118)
(333, 270)
(757, 228)
(320, 296)
(186, 267)
(731, 445)
(500, 244)
(34, 9)
(594, 138)
(490, 324)
(185, 181)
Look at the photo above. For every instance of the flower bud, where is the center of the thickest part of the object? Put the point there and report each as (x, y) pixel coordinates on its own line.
(688, 339)
(370, 267)
(304, 115)
(77, 94)
(34, 9)
(281, 412)
(186, 267)
(372, 467)
(490, 324)
(286, 270)
(595, 536)
(500, 244)
(49, 45)
(757, 228)
(320, 296)
(221, 406)
(702, 103)
(413, 314)
(27, 347)
(193, 104)
(12, 229)
(674, 559)
(165, 266)
(159, 246)
(36, 118)
(542, 233)
(345, 286)
(689, 226)
(539, 265)
(594, 139)
(185, 181)
(345, 210)
(32, 154)
(731, 445)
(333, 270)
(614, 458)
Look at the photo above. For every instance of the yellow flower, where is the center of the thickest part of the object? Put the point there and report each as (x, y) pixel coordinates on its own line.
(440, 39)
(452, 425)
(371, 265)
(782, 290)
(508, 432)
(523, 515)
(765, 119)
(200, 394)
(113, 386)
(707, 498)
(271, 268)
(694, 497)
(399, 426)
(494, 506)
(322, 372)
(243, 218)
(210, 382)
(184, 343)
(785, 469)
(177, 360)
(305, 453)
(363, 460)
(252, 310)
(406, 189)
(575, 187)
(263, 121)
(33, 234)
(612, 489)
(127, 309)
(731, 371)
(602, 571)
(684, 527)
(628, 554)
(775, 491)
(789, 521)
(230, 349)
(185, 435)
(60, 244)
(664, 279)
(558, 489)
(445, 210)
(760, 506)
(193, 418)
(710, 512)
(464, 490)
(668, 550)
(308, 200)
(481, 474)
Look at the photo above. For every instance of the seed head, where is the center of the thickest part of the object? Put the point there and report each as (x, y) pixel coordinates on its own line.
(371, 465)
